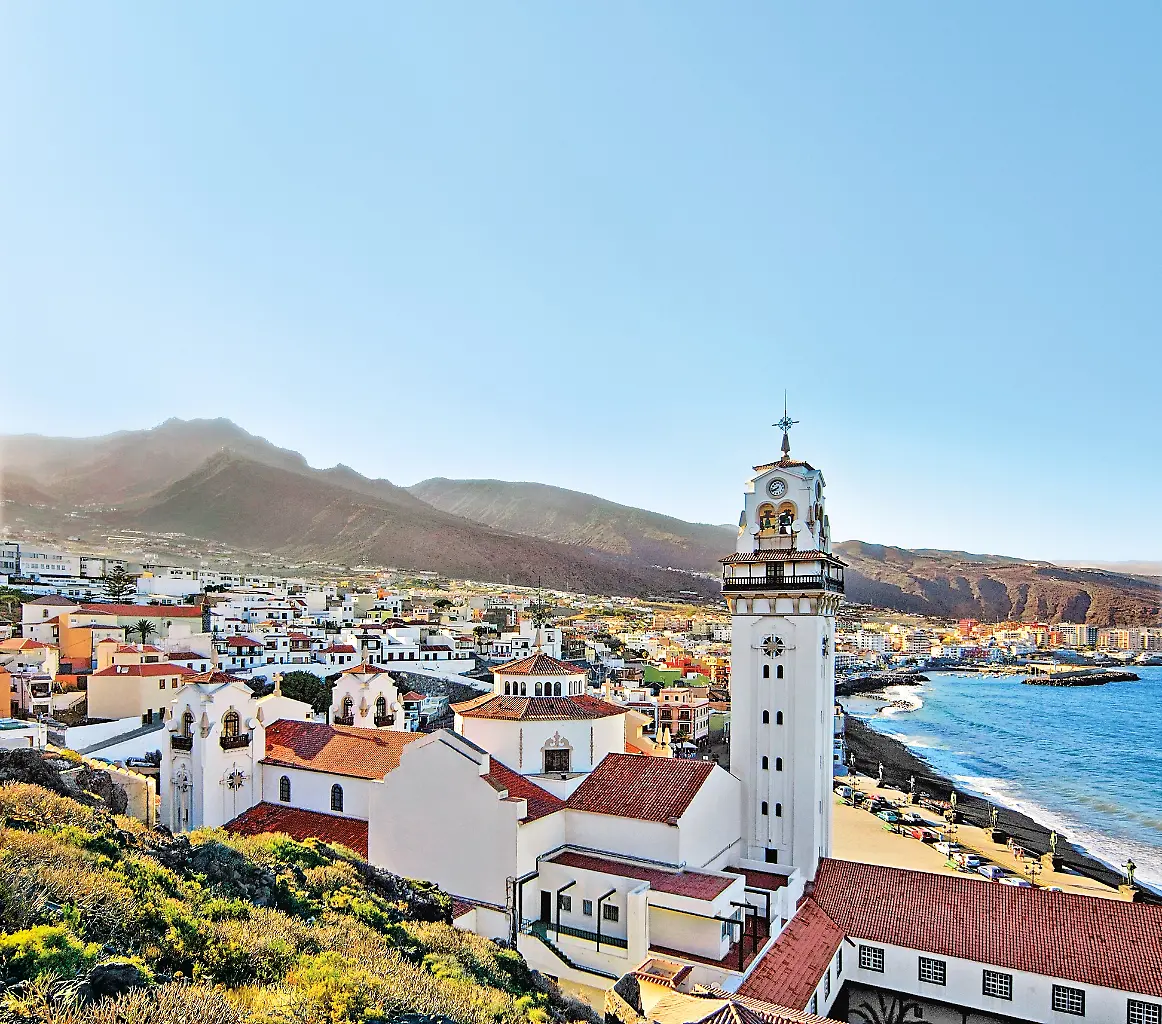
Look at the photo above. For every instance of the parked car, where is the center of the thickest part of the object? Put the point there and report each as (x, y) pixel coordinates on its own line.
(843, 792)
(858, 796)
(912, 818)
(965, 861)
(1020, 883)
(947, 848)
(925, 835)
(889, 816)
(993, 872)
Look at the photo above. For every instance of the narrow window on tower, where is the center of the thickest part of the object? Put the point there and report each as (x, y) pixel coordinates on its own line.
(779, 672)
(766, 671)
(764, 807)
(778, 764)
(766, 718)
(778, 810)
(778, 718)
(766, 763)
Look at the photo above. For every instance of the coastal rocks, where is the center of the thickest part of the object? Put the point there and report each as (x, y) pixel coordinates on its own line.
(872, 682)
(1083, 678)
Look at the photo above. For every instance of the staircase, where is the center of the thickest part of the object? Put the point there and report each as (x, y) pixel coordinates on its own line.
(541, 931)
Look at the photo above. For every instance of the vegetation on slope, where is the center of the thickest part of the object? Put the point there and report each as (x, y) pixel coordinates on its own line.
(106, 921)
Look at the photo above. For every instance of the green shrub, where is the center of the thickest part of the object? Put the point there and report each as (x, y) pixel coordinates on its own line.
(44, 949)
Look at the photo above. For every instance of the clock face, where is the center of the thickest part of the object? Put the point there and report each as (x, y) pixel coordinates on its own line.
(777, 488)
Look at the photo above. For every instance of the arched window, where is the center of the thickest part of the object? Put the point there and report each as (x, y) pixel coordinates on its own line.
(284, 789)
(336, 797)
(778, 810)
(348, 706)
(507, 687)
(766, 763)
(778, 764)
(556, 689)
(524, 689)
(766, 671)
(764, 807)
(231, 724)
(766, 517)
(766, 718)
(538, 690)
(779, 672)
(381, 707)
(778, 718)
(187, 723)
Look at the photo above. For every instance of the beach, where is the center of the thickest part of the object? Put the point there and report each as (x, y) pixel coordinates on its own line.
(860, 835)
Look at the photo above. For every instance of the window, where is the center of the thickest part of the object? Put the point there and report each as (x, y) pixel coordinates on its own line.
(380, 707)
(766, 718)
(778, 718)
(1069, 1000)
(827, 984)
(336, 797)
(778, 764)
(764, 807)
(778, 810)
(839, 962)
(814, 1002)
(556, 689)
(771, 856)
(556, 761)
(1139, 1012)
(766, 671)
(284, 789)
(348, 706)
(231, 723)
(609, 912)
(187, 723)
(779, 672)
(564, 902)
(997, 984)
(161, 684)
(538, 691)
(766, 763)
(871, 958)
(587, 908)
(935, 972)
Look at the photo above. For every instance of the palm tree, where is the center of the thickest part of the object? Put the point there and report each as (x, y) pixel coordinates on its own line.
(143, 628)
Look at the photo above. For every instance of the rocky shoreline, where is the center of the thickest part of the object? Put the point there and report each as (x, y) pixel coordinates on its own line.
(874, 682)
(1088, 679)
(870, 749)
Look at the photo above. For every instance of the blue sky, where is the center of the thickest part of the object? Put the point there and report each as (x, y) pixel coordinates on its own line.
(591, 244)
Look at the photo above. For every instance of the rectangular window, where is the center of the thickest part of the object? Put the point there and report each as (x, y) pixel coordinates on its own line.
(1140, 1012)
(935, 972)
(1069, 1000)
(161, 684)
(587, 908)
(557, 761)
(827, 984)
(609, 912)
(839, 962)
(565, 902)
(871, 958)
(997, 984)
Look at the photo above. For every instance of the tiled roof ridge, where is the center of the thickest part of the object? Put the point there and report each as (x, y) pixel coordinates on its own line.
(539, 664)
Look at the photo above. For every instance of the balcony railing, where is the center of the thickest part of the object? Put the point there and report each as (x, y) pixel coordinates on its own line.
(181, 742)
(234, 742)
(382, 720)
(344, 720)
(544, 928)
(773, 582)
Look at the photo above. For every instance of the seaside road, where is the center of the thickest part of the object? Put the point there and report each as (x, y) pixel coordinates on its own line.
(860, 836)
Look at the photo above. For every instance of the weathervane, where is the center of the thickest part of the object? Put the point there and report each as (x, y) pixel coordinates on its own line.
(785, 424)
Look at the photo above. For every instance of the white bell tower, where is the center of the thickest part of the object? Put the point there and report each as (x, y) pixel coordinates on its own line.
(783, 587)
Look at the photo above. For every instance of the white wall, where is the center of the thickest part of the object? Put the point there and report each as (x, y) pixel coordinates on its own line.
(648, 840)
(520, 745)
(710, 832)
(311, 791)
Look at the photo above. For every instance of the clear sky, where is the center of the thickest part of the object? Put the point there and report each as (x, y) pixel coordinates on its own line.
(592, 243)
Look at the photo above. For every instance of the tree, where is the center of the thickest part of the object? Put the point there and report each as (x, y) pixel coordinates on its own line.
(441, 603)
(143, 628)
(119, 584)
(10, 602)
(309, 688)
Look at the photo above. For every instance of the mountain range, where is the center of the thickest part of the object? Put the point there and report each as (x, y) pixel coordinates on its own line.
(214, 481)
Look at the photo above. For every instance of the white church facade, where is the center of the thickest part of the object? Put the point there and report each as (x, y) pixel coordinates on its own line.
(712, 892)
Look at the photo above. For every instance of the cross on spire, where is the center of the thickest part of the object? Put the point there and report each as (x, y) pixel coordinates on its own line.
(785, 425)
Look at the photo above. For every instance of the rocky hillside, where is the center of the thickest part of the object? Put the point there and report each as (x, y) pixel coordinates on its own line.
(994, 588)
(572, 517)
(103, 921)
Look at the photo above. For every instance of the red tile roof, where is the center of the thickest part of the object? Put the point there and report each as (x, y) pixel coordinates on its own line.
(579, 708)
(188, 656)
(336, 749)
(760, 879)
(695, 884)
(1084, 939)
(539, 664)
(299, 824)
(214, 676)
(338, 649)
(781, 556)
(640, 786)
(790, 970)
(364, 669)
(411, 696)
(147, 611)
(539, 802)
(161, 669)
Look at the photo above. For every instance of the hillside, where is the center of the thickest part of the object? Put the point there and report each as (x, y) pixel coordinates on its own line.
(994, 588)
(106, 921)
(571, 517)
(319, 516)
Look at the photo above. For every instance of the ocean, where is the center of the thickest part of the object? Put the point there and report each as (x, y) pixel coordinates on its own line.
(1086, 761)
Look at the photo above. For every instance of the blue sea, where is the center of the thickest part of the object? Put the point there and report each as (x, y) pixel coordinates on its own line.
(1086, 761)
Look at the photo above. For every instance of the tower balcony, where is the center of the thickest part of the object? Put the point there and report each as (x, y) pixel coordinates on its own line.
(829, 582)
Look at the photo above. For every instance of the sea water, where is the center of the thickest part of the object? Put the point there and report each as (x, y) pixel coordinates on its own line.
(1085, 760)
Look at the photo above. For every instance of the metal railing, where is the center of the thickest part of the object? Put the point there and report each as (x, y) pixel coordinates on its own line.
(234, 742)
(772, 582)
(181, 742)
(382, 720)
(344, 720)
(542, 928)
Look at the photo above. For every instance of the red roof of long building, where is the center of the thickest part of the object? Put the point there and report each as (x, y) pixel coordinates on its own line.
(147, 611)
(790, 970)
(539, 802)
(336, 749)
(640, 786)
(299, 824)
(154, 669)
